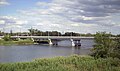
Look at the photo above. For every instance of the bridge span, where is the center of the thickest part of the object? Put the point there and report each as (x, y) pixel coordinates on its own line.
(53, 40)
(54, 37)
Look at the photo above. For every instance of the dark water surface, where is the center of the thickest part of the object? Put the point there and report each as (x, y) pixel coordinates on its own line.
(23, 53)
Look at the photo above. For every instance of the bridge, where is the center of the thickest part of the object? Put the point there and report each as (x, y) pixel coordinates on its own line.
(53, 40)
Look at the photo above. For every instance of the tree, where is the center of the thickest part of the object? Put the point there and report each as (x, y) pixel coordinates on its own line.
(7, 37)
(118, 35)
(33, 31)
(116, 49)
(105, 46)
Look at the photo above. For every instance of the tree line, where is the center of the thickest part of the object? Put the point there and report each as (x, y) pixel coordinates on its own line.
(36, 32)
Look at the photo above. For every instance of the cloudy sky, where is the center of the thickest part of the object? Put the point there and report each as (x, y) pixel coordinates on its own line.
(82, 16)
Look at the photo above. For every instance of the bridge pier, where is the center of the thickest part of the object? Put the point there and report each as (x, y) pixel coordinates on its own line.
(50, 42)
(32, 39)
(75, 43)
(55, 42)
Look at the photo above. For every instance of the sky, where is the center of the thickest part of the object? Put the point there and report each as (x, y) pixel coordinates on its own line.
(81, 16)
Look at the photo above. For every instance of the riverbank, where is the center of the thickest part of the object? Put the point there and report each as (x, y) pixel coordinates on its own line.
(71, 63)
(20, 42)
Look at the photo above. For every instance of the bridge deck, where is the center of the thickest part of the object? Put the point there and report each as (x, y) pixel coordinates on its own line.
(52, 37)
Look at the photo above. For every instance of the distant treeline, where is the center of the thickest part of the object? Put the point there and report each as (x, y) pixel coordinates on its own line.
(36, 32)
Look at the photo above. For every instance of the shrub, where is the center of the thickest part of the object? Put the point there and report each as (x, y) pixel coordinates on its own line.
(106, 46)
(7, 37)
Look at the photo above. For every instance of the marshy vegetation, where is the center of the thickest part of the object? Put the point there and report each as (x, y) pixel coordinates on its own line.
(71, 63)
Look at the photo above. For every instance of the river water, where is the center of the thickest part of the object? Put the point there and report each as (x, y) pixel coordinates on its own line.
(24, 53)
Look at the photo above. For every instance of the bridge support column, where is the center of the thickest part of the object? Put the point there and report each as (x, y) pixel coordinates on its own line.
(50, 42)
(32, 39)
(55, 42)
(72, 41)
(75, 42)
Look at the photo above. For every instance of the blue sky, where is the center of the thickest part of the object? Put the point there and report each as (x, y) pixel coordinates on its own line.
(17, 5)
(82, 16)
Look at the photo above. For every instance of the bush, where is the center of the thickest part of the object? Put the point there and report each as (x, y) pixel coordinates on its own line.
(106, 46)
(116, 50)
(7, 38)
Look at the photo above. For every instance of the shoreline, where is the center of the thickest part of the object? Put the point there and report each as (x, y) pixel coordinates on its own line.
(11, 42)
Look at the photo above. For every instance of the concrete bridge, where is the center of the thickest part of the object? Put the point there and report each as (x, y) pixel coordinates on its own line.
(53, 40)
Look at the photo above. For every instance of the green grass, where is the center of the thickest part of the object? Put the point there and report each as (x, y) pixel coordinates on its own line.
(71, 63)
(20, 42)
(24, 42)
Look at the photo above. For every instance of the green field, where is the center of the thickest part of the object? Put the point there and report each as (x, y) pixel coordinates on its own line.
(20, 42)
(71, 63)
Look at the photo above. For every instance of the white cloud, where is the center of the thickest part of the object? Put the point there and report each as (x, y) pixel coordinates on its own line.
(77, 15)
(8, 17)
(43, 4)
(87, 18)
(21, 22)
(4, 2)
(2, 22)
(11, 22)
(75, 25)
(83, 25)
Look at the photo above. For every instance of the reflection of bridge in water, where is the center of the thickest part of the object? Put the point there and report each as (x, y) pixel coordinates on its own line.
(53, 40)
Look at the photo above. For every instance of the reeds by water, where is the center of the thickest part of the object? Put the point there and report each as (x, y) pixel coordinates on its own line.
(71, 63)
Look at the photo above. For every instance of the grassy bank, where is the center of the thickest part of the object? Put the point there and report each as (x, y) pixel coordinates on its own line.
(72, 63)
(20, 42)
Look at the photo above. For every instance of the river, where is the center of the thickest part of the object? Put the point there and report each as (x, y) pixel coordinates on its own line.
(24, 53)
